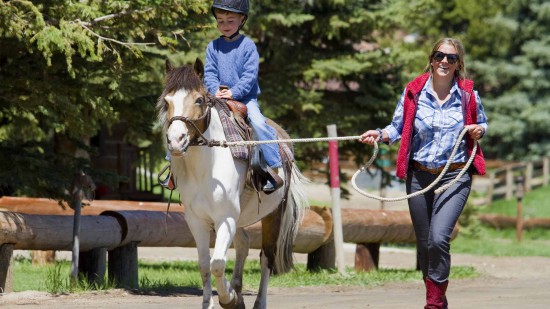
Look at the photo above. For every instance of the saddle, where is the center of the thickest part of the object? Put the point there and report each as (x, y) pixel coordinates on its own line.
(233, 115)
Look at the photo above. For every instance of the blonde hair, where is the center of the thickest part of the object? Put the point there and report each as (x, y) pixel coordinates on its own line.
(461, 69)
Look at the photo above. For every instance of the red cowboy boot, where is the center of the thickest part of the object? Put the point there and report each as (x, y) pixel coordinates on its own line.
(435, 294)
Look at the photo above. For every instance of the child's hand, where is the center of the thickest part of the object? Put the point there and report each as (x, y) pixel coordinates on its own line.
(224, 94)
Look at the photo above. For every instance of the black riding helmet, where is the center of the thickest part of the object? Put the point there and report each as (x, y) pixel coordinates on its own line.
(236, 6)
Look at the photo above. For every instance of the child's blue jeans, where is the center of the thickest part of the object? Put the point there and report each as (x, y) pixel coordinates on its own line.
(264, 132)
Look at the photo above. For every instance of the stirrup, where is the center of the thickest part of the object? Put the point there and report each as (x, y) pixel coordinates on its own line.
(273, 183)
(168, 181)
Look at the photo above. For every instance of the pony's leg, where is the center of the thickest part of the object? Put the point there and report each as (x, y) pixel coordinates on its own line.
(241, 242)
(225, 231)
(201, 234)
(270, 232)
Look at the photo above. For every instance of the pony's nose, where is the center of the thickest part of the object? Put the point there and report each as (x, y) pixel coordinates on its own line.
(177, 143)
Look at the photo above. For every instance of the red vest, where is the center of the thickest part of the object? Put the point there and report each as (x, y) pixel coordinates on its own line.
(409, 113)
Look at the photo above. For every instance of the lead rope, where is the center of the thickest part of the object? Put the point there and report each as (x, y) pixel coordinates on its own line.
(213, 143)
(417, 193)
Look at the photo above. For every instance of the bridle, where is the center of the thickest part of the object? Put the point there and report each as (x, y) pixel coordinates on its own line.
(201, 140)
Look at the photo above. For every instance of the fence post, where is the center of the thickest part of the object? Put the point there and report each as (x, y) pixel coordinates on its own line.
(93, 264)
(335, 190)
(6, 274)
(545, 170)
(123, 266)
(367, 256)
(520, 186)
(509, 183)
(490, 189)
(529, 176)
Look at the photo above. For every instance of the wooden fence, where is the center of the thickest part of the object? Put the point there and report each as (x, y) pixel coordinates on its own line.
(503, 181)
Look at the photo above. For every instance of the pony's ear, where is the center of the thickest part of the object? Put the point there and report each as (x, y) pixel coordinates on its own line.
(169, 66)
(199, 68)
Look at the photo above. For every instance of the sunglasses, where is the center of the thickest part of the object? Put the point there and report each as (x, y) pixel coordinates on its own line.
(451, 58)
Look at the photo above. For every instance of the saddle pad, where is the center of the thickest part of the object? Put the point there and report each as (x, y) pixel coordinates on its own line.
(232, 134)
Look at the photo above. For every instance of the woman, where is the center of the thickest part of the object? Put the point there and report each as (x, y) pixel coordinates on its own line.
(432, 112)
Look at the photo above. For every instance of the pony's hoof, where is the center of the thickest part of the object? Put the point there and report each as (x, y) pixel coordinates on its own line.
(236, 303)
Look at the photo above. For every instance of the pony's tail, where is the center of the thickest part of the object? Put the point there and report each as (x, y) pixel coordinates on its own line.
(293, 213)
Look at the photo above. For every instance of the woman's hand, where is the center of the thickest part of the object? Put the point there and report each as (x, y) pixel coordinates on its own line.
(476, 131)
(369, 137)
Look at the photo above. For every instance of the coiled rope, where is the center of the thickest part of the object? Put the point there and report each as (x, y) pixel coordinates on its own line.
(417, 193)
(213, 143)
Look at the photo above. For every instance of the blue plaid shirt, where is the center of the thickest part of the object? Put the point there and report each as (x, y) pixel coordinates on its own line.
(436, 128)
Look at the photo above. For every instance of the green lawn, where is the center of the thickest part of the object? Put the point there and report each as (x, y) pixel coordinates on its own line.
(162, 276)
(477, 239)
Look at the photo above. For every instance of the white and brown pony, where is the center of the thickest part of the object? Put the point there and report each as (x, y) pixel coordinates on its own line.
(214, 191)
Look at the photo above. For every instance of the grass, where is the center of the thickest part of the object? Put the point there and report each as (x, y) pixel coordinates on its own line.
(481, 240)
(166, 276)
(534, 205)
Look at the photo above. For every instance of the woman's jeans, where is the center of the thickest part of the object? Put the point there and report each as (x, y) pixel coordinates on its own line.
(434, 217)
(264, 132)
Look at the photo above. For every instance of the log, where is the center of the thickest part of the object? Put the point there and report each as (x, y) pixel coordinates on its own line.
(93, 265)
(377, 226)
(54, 232)
(153, 228)
(314, 231)
(123, 266)
(118, 228)
(503, 222)
(44, 206)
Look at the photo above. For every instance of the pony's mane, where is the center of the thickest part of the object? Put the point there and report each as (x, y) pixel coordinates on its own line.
(183, 77)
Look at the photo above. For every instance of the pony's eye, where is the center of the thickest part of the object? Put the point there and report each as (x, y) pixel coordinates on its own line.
(199, 101)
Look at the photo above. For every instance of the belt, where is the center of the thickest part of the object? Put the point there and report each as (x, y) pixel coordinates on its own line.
(454, 166)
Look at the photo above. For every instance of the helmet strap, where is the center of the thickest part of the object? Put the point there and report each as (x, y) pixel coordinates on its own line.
(231, 36)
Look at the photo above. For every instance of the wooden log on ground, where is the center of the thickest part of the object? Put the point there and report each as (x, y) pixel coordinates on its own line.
(153, 228)
(44, 206)
(53, 232)
(377, 226)
(503, 222)
(314, 231)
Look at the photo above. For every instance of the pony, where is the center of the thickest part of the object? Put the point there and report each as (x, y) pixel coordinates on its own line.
(214, 191)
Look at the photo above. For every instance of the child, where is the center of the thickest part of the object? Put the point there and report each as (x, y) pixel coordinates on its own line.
(231, 72)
